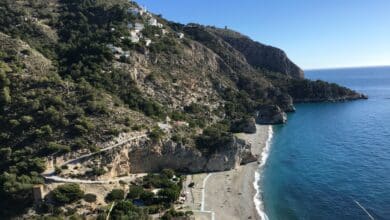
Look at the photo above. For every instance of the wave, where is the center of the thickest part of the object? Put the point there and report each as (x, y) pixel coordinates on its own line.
(259, 203)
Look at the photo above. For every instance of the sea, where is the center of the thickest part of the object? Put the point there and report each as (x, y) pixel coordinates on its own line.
(331, 161)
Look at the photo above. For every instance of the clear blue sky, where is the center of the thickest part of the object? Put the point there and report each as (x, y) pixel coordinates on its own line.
(314, 33)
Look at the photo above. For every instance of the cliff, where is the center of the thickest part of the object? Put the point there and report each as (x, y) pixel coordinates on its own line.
(259, 55)
(147, 156)
(76, 74)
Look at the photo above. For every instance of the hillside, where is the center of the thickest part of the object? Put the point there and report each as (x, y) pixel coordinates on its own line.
(77, 74)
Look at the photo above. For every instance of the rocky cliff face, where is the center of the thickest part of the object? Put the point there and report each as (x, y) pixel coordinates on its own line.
(259, 55)
(146, 156)
(271, 114)
(73, 75)
(187, 159)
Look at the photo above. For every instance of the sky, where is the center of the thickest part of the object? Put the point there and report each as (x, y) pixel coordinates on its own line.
(315, 34)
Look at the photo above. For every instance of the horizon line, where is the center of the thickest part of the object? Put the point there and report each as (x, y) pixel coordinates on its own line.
(345, 67)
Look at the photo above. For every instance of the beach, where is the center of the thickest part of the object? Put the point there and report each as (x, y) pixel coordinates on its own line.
(230, 194)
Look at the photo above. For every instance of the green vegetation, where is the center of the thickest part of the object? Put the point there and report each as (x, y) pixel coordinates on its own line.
(168, 192)
(214, 138)
(62, 89)
(89, 197)
(115, 195)
(135, 192)
(156, 134)
(126, 210)
(173, 214)
(67, 193)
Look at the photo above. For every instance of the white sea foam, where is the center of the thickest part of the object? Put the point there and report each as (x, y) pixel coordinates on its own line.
(264, 156)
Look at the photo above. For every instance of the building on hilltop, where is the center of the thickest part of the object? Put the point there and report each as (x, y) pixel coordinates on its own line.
(153, 22)
(180, 35)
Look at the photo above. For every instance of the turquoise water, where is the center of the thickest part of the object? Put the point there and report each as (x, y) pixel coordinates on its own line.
(331, 155)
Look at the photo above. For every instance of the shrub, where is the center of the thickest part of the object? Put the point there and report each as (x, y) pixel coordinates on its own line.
(98, 171)
(126, 210)
(53, 147)
(214, 138)
(115, 195)
(156, 134)
(147, 197)
(169, 173)
(135, 192)
(67, 193)
(169, 195)
(89, 197)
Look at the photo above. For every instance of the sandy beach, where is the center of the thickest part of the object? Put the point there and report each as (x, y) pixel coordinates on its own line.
(229, 194)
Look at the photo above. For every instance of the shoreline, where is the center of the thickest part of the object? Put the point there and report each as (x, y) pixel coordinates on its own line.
(259, 203)
(233, 194)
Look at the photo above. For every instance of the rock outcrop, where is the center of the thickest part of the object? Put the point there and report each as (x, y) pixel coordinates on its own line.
(271, 114)
(179, 157)
(261, 56)
(245, 125)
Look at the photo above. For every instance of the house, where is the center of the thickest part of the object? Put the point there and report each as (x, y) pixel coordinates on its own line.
(164, 31)
(134, 39)
(133, 33)
(143, 11)
(130, 25)
(148, 42)
(134, 36)
(160, 25)
(180, 35)
(153, 22)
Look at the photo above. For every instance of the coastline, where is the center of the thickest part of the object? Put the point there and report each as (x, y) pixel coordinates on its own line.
(232, 194)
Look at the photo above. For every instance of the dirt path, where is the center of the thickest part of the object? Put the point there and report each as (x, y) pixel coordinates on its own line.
(50, 174)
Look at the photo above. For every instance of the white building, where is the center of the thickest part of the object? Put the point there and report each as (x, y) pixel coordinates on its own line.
(148, 42)
(153, 22)
(180, 35)
(134, 37)
(160, 25)
(143, 11)
(164, 31)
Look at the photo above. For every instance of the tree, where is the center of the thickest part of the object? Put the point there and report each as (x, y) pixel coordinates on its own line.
(169, 195)
(126, 210)
(115, 195)
(168, 173)
(90, 197)
(67, 193)
(135, 192)
(147, 197)
(5, 154)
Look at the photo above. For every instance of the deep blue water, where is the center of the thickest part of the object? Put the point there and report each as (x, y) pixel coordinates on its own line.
(330, 155)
